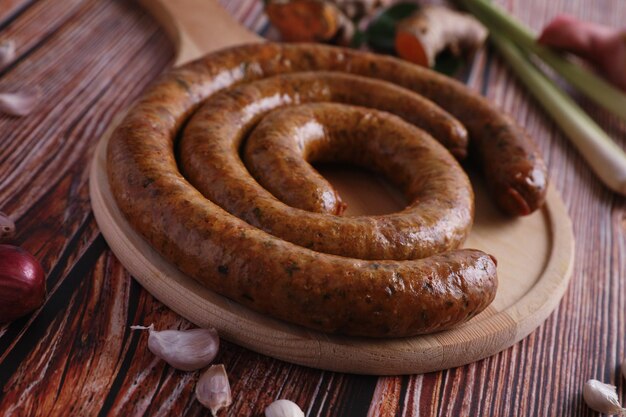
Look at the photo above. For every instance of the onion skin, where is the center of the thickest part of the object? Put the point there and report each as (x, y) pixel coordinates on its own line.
(22, 283)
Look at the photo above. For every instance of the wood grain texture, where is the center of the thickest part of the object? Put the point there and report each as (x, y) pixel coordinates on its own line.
(76, 355)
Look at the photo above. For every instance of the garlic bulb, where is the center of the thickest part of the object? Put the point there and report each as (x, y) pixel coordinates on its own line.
(283, 408)
(213, 389)
(602, 397)
(186, 350)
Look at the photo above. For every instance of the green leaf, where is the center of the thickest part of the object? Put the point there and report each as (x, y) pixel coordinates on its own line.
(381, 32)
(449, 64)
(358, 39)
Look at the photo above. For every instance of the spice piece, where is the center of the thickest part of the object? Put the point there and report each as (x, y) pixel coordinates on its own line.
(283, 408)
(7, 228)
(213, 389)
(602, 397)
(18, 104)
(186, 350)
(431, 29)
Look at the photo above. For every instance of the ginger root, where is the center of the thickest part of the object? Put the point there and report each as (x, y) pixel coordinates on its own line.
(601, 46)
(431, 29)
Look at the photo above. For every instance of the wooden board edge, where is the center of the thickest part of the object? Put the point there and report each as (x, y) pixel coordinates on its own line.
(559, 268)
(198, 27)
(336, 353)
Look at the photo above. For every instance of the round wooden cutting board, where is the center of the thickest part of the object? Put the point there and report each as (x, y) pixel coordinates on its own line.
(534, 255)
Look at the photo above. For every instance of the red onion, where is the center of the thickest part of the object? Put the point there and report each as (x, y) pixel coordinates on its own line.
(22, 283)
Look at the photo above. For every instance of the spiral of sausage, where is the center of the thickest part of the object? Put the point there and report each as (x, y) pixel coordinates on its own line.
(197, 116)
(441, 210)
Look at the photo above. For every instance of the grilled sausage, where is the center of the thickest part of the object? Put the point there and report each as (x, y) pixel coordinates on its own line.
(322, 291)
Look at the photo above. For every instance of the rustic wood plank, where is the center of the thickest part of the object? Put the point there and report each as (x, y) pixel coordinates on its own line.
(55, 221)
(28, 32)
(84, 403)
(77, 357)
(9, 9)
(70, 84)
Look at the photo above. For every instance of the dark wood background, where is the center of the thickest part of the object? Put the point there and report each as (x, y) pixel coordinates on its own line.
(77, 357)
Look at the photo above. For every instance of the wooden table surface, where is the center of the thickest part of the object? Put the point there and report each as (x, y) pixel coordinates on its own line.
(76, 356)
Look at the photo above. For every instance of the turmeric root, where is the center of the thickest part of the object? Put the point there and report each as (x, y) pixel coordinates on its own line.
(601, 46)
(431, 29)
(310, 21)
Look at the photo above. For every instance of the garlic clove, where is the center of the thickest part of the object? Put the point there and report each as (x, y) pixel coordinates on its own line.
(186, 350)
(7, 52)
(18, 104)
(283, 408)
(602, 397)
(7, 228)
(213, 389)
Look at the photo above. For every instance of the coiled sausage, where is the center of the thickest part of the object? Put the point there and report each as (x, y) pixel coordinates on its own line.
(322, 291)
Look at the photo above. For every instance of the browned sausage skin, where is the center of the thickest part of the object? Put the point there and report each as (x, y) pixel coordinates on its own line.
(320, 291)
(437, 220)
